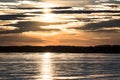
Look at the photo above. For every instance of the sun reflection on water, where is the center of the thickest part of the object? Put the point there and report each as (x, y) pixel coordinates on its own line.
(46, 68)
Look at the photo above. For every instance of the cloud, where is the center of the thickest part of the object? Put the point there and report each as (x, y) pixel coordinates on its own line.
(111, 29)
(5, 22)
(71, 11)
(26, 26)
(107, 1)
(102, 38)
(19, 39)
(5, 28)
(13, 16)
(7, 0)
(104, 26)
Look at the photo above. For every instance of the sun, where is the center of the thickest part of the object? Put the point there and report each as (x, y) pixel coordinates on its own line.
(46, 10)
(49, 17)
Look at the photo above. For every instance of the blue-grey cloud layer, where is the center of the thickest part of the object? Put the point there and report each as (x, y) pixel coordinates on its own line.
(99, 27)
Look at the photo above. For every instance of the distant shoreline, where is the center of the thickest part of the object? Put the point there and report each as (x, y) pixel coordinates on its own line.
(63, 49)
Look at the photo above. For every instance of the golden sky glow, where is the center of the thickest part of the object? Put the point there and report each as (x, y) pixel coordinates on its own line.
(54, 23)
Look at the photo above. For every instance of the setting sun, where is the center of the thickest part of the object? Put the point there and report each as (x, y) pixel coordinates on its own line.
(49, 17)
(47, 10)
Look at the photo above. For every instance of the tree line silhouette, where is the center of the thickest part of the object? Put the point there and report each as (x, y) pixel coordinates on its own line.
(63, 49)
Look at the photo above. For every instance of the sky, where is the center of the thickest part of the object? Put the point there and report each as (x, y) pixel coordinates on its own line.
(59, 22)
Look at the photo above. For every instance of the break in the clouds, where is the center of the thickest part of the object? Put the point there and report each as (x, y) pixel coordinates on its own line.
(59, 22)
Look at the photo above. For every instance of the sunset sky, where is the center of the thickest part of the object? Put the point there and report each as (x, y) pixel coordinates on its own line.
(59, 22)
